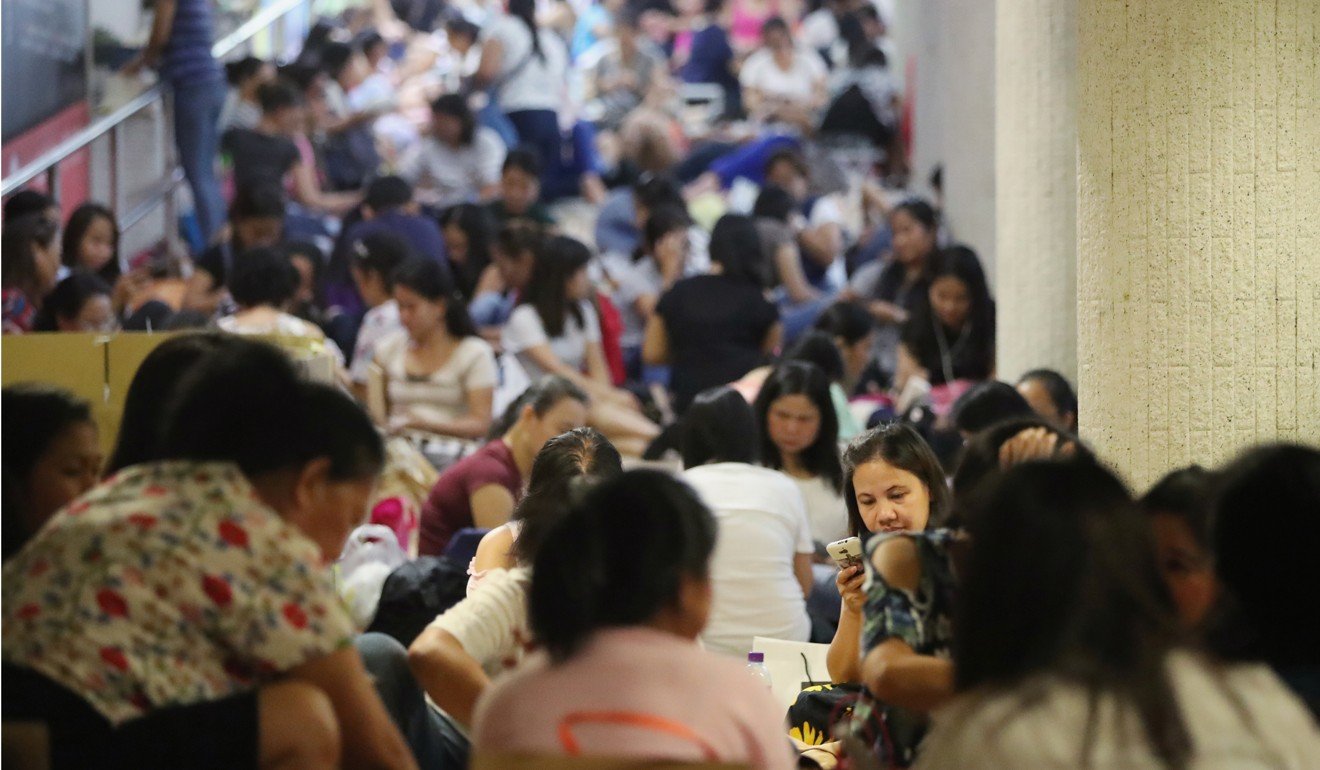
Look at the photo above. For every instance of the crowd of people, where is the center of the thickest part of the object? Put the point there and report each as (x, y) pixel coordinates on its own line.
(796, 346)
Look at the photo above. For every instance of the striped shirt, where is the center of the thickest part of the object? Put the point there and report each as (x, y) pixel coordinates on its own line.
(187, 57)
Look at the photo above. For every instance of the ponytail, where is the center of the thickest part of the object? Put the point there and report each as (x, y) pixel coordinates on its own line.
(616, 558)
(526, 10)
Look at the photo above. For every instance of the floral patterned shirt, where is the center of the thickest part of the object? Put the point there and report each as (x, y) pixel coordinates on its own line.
(169, 584)
(925, 619)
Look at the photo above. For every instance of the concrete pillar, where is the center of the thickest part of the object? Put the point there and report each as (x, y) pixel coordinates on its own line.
(1036, 186)
(969, 126)
(1199, 228)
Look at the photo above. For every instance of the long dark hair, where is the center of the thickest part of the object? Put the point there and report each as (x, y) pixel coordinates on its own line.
(1062, 581)
(719, 427)
(569, 459)
(541, 396)
(249, 406)
(980, 458)
(526, 11)
(429, 280)
(479, 227)
(80, 220)
(800, 378)
(154, 385)
(920, 334)
(900, 445)
(559, 260)
(593, 573)
(18, 269)
(456, 106)
(382, 253)
(733, 245)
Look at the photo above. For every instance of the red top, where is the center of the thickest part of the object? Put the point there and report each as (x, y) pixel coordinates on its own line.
(449, 507)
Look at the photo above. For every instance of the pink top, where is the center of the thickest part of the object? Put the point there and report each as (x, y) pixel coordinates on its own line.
(666, 699)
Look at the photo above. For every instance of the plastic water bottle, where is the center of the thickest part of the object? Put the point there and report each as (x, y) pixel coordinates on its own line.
(756, 665)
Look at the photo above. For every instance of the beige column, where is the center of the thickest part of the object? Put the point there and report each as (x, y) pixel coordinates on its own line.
(1199, 228)
(1036, 186)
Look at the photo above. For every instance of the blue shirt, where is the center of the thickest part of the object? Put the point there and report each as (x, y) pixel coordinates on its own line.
(422, 233)
(187, 58)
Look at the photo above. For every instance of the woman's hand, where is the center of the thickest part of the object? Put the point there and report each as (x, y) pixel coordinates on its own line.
(1033, 444)
(849, 582)
(887, 312)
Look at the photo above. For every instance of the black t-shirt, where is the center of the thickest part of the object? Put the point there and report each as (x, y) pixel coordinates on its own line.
(716, 327)
(970, 351)
(217, 260)
(259, 158)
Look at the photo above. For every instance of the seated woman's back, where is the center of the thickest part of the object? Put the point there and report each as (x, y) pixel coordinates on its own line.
(620, 590)
(1047, 726)
(761, 569)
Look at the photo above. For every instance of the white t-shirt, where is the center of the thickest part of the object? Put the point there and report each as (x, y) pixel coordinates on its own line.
(540, 85)
(525, 330)
(442, 395)
(491, 623)
(762, 527)
(1240, 717)
(799, 83)
(826, 512)
(445, 176)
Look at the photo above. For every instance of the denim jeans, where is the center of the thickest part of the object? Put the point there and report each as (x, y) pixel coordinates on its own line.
(435, 739)
(197, 134)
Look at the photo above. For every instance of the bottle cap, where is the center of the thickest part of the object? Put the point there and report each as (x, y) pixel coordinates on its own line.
(756, 657)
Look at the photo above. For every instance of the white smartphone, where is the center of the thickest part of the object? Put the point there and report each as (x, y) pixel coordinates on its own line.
(846, 552)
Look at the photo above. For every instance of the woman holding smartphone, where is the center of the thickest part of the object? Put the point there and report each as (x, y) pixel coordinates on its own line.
(892, 483)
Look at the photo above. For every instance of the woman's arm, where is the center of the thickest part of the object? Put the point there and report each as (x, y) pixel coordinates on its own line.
(370, 738)
(492, 59)
(492, 505)
(893, 671)
(907, 368)
(453, 678)
(655, 346)
(493, 550)
(472, 425)
(308, 192)
(202, 294)
(802, 571)
(789, 267)
(773, 337)
(597, 369)
(844, 659)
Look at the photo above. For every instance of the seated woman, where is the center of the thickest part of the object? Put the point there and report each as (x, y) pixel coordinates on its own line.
(375, 259)
(849, 326)
(468, 231)
(520, 190)
(79, 303)
(263, 285)
(459, 162)
(892, 483)
(556, 331)
(30, 263)
(1092, 668)
(486, 634)
(799, 432)
(1178, 507)
(441, 375)
(761, 570)
(951, 335)
(497, 293)
(619, 674)
(658, 263)
(265, 477)
(52, 456)
(256, 219)
(91, 242)
(1051, 395)
(892, 289)
(482, 489)
(781, 83)
(715, 328)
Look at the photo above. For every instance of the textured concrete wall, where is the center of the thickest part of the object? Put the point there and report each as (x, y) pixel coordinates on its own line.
(1199, 228)
(969, 125)
(1036, 185)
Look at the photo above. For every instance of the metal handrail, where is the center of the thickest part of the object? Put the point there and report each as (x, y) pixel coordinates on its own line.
(105, 125)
